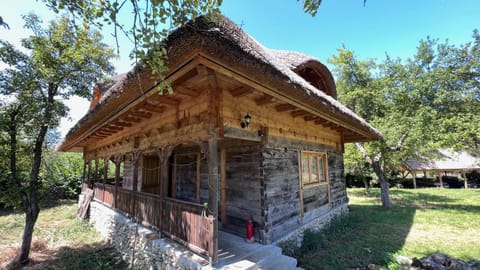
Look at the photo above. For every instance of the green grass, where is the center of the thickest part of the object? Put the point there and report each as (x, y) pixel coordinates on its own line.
(60, 241)
(422, 222)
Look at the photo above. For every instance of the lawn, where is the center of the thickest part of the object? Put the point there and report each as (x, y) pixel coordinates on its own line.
(422, 222)
(60, 241)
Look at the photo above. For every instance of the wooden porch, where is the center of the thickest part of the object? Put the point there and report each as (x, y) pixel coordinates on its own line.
(185, 222)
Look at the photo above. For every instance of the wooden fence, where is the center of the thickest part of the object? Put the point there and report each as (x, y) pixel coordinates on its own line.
(180, 220)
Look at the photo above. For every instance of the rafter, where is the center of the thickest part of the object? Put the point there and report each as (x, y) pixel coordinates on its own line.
(153, 108)
(141, 114)
(165, 100)
(186, 91)
(265, 99)
(310, 117)
(298, 113)
(240, 91)
(284, 107)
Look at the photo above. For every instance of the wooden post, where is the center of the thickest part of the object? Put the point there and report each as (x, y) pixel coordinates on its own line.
(84, 178)
(213, 179)
(223, 185)
(105, 176)
(89, 174)
(198, 179)
(118, 164)
(414, 173)
(300, 183)
(135, 159)
(95, 173)
(440, 178)
(163, 154)
(174, 177)
(465, 181)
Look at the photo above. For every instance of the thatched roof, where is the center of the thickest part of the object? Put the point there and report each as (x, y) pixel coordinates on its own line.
(445, 160)
(224, 41)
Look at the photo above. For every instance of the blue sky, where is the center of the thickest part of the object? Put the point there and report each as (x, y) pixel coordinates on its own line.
(379, 27)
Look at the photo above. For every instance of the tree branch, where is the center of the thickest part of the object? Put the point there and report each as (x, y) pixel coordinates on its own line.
(365, 155)
(400, 142)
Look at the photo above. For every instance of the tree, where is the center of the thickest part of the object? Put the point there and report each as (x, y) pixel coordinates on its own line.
(432, 100)
(64, 60)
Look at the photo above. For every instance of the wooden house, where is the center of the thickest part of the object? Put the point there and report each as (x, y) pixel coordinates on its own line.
(247, 132)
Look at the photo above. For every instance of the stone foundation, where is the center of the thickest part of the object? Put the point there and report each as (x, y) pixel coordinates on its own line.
(315, 225)
(141, 246)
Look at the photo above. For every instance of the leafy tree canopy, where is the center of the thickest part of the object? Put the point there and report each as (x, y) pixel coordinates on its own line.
(428, 101)
(62, 60)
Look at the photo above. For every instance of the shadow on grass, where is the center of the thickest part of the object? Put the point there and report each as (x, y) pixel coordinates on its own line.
(44, 205)
(97, 256)
(368, 235)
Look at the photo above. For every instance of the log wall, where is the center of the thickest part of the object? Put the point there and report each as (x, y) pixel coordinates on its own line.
(244, 184)
(282, 196)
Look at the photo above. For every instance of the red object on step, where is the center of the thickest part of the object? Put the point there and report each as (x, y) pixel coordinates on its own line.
(250, 231)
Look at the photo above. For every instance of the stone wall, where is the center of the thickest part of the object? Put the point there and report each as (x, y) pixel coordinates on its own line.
(315, 225)
(139, 245)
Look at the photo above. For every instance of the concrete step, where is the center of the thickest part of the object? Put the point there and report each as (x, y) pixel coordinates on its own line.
(278, 262)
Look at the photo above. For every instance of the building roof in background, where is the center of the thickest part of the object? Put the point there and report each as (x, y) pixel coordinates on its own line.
(445, 160)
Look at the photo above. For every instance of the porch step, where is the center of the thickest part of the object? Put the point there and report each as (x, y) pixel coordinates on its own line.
(235, 254)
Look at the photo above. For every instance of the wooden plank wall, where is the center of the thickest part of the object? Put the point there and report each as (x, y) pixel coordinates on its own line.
(244, 182)
(281, 124)
(281, 187)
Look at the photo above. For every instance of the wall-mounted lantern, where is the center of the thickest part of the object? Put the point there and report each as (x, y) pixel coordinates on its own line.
(246, 121)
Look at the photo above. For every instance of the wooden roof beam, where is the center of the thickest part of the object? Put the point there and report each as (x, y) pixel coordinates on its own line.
(152, 108)
(310, 117)
(240, 91)
(128, 118)
(122, 124)
(284, 107)
(184, 78)
(320, 121)
(165, 100)
(107, 130)
(141, 114)
(182, 90)
(265, 99)
(113, 127)
(298, 113)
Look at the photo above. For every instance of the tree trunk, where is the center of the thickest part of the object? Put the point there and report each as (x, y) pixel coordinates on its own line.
(31, 216)
(31, 205)
(384, 186)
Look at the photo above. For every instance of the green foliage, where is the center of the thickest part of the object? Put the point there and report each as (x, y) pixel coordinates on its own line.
(61, 175)
(431, 100)
(62, 60)
(149, 25)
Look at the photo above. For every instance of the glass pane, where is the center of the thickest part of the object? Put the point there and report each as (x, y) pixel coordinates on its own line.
(322, 169)
(314, 173)
(305, 174)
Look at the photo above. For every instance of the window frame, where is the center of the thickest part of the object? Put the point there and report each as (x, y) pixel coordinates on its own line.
(321, 161)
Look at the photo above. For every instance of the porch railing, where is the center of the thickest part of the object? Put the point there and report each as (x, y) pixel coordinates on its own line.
(180, 220)
(184, 222)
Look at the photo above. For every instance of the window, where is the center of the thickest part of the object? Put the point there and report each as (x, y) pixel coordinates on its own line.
(314, 170)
